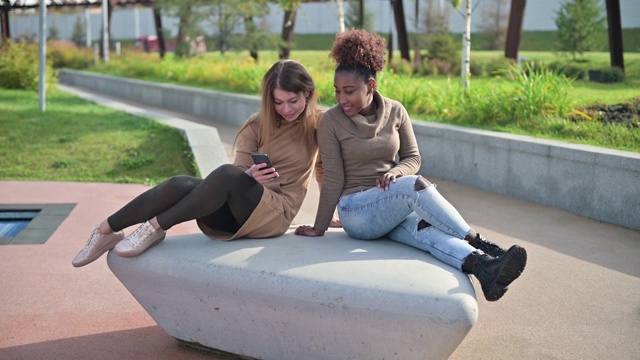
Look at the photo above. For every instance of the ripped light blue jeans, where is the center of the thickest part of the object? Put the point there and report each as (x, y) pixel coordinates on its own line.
(395, 214)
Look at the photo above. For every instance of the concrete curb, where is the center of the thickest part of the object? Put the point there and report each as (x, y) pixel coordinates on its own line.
(594, 182)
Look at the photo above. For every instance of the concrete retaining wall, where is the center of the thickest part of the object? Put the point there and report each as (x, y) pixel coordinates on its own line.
(594, 182)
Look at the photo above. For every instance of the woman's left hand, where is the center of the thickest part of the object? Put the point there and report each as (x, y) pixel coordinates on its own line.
(384, 180)
(306, 230)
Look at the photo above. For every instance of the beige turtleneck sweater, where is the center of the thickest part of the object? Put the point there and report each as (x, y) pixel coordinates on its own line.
(356, 151)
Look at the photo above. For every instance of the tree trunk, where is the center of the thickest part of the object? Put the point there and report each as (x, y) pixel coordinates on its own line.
(466, 45)
(182, 42)
(159, 32)
(250, 28)
(403, 36)
(615, 34)
(340, 16)
(514, 31)
(287, 32)
(4, 22)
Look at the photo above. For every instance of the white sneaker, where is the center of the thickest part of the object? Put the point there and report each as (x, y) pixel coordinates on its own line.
(139, 241)
(97, 245)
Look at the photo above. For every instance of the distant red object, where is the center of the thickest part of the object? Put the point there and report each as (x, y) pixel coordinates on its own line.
(150, 44)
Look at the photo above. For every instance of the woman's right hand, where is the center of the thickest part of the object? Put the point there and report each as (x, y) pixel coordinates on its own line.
(262, 174)
(306, 230)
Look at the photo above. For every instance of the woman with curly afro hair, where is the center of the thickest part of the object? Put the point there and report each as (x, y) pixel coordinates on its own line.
(370, 158)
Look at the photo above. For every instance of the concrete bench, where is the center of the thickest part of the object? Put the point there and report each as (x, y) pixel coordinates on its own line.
(296, 297)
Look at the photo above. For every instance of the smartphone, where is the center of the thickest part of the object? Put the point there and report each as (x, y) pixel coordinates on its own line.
(261, 158)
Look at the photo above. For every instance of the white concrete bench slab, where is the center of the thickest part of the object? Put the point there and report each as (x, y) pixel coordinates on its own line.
(296, 297)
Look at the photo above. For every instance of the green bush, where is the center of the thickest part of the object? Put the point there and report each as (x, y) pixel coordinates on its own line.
(19, 67)
(436, 67)
(65, 54)
(442, 47)
(499, 66)
(476, 68)
(613, 75)
(401, 67)
(569, 69)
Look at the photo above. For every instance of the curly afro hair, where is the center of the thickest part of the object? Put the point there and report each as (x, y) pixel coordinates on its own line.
(355, 48)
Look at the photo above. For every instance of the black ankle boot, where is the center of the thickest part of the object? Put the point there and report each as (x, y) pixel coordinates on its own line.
(495, 274)
(487, 246)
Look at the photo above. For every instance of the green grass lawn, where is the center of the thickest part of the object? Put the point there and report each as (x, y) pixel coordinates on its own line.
(75, 140)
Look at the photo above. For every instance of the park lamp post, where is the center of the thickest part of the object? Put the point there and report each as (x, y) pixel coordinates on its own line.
(42, 86)
(105, 32)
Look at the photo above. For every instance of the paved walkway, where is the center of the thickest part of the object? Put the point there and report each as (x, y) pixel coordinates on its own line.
(579, 297)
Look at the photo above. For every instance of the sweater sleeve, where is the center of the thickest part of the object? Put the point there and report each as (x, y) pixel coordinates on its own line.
(333, 177)
(409, 154)
(247, 142)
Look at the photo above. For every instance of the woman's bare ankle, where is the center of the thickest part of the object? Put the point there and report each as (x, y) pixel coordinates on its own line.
(104, 228)
(154, 222)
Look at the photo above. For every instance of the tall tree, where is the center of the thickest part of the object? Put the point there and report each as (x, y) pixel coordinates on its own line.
(226, 16)
(290, 8)
(185, 14)
(581, 26)
(79, 34)
(495, 19)
(340, 7)
(188, 19)
(254, 37)
(514, 29)
(466, 40)
(357, 17)
(401, 27)
(436, 19)
(466, 46)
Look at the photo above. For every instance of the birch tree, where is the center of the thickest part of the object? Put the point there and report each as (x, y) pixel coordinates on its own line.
(340, 8)
(466, 41)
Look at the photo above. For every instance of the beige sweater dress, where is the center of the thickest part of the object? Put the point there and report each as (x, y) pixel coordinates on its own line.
(294, 161)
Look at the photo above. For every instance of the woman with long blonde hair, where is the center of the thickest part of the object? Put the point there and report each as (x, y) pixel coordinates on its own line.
(243, 199)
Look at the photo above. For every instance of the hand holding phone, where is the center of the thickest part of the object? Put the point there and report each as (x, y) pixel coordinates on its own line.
(264, 159)
(260, 159)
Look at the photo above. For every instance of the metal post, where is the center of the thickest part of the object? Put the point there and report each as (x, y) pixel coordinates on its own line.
(136, 22)
(87, 21)
(42, 39)
(105, 32)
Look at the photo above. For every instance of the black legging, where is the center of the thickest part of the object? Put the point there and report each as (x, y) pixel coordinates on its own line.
(224, 200)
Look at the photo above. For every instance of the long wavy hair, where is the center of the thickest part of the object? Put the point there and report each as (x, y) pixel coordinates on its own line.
(290, 76)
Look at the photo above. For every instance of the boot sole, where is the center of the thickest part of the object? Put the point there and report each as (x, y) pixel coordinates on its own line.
(511, 269)
(514, 264)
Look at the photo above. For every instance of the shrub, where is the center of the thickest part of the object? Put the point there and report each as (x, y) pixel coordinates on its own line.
(498, 67)
(401, 67)
(476, 68)
(19, 67)
(443, 47)
(569, 69)
(438, 67)
(612, 75)
(65, 54)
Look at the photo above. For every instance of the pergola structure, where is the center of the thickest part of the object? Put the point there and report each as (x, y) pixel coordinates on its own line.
(614, 23)
(6, 6)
